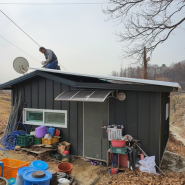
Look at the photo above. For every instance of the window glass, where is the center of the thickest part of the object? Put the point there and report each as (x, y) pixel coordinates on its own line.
(34, 116)
(55, 118)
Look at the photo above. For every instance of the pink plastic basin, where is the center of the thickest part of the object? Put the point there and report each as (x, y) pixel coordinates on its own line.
(118, 143)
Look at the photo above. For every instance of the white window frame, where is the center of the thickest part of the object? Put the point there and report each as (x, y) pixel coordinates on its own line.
(43, 123)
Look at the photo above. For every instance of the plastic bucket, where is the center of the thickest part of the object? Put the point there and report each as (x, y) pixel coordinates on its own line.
(4, 180)
(20, 173)
(118, 143)
(30, 180)
(51, 131)
(57, 132)
(63, 181)
(65, 167)
(39, 165)
(40, 131)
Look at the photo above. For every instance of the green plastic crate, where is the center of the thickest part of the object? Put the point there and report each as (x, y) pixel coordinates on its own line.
(118, 150)
(25, 140)
(37, 141)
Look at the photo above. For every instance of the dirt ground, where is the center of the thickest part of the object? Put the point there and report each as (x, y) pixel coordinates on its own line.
(84, 172)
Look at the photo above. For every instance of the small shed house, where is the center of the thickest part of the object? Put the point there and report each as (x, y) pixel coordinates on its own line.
(80, 105)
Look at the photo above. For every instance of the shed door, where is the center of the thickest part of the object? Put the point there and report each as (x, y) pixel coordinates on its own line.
(95, 138)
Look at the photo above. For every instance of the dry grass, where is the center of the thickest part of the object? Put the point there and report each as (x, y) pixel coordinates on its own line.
(175, 146)
(177, 112)
(5, 106)
(140, 178)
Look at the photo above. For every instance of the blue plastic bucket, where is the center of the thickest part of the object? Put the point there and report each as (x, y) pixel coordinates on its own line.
(29, 180)
(20, 173)
(39, 165)
(51, 131)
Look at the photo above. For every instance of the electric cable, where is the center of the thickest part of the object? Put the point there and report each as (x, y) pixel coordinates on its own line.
(25, 52)
(53, 3)
(19, 27)
(62, 66)
(18, 48)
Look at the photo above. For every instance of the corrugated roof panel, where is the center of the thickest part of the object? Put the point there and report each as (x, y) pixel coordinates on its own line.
(123, 79)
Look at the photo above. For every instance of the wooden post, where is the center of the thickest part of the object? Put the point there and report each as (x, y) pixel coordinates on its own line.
(184, 119)
(145, 75)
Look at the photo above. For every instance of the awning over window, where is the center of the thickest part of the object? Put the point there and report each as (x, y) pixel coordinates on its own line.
(83, 95)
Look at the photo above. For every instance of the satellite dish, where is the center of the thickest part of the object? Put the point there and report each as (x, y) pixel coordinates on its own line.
(20, 65)
(121, 96)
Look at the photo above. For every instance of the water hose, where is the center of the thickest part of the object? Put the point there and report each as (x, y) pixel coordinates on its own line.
(4, 152)
(22, 125)
(10, 141)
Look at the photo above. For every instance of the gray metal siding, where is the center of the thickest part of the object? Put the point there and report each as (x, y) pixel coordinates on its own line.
(39, 93)
(139, 113)
(42, 93)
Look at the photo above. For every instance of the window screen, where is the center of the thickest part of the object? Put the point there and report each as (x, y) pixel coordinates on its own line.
(55, 118)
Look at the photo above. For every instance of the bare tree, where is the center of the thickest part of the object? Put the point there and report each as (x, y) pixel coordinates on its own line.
(175, 100)
(146, 23)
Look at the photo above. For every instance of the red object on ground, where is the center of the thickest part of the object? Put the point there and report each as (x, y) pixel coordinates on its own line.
(65, 152)
(57, 132)
(118, 143)
(113, 171)
(141, 156)
(65, 167)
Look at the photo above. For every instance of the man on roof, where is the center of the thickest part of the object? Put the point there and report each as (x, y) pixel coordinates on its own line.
(51, 59)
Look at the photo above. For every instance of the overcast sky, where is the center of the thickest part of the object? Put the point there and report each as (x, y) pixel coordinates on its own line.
(78, 34)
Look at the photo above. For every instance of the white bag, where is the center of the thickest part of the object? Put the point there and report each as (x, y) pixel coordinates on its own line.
(148, 165)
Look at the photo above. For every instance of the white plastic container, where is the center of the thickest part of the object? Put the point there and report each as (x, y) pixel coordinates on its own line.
(33, 133)
(63, 181)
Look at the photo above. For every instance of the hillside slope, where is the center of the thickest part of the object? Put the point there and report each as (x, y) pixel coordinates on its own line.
(5, 107)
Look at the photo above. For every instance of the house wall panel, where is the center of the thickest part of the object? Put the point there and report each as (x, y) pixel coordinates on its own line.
(57, 91)
(35, 93)
(66, 106)
(132, 113)
(143, 120)
(49, 94)
(28, 95)
(112, 111)
(42, 93)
